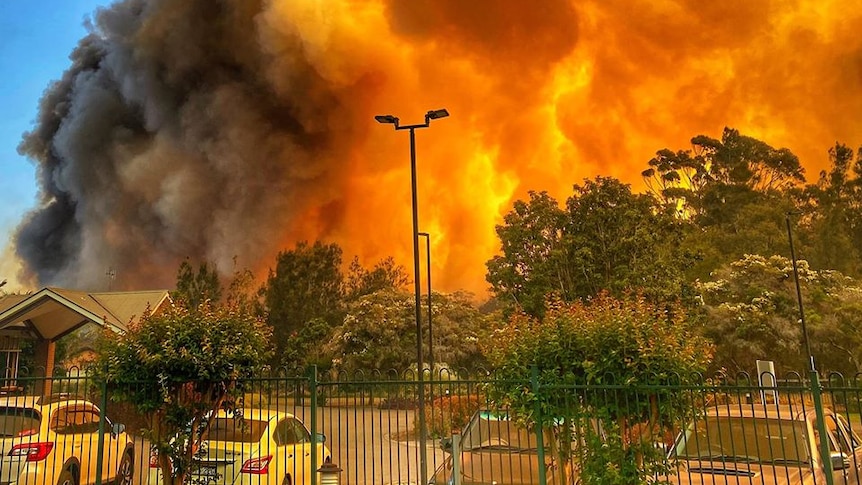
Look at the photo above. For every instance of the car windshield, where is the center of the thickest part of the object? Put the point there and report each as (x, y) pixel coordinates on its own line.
(494, 431)
(235, 430)
(15, 421)
(745, 439)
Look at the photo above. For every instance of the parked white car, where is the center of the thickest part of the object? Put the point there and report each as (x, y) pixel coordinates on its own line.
(766, 444)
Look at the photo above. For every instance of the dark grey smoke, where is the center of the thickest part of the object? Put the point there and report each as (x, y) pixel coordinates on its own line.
(218, 128)
(176, 132)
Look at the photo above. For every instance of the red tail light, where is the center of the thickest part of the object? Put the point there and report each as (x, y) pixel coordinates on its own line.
(32, 451)
(257, 466)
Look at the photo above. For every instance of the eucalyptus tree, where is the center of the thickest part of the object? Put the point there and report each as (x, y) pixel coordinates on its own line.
(607, 238)
(831, 214)
(735, 191)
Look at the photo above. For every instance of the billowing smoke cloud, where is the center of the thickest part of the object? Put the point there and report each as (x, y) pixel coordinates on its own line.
(228, 130)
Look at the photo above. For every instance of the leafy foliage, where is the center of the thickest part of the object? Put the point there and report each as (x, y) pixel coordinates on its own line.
(721, 175)
(450, 414)
(619, 242)
(607, 239)
(196, 288)
(305, 285)
(630, 343)
(379, 332)
(530, 265)
(735, 191)
(177, 368)
(385, 274)
(752, 314)
(305, 347)
(612, 460)
(832, 228)
(245, 294)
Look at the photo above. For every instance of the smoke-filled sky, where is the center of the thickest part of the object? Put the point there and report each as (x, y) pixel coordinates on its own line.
(231, 129)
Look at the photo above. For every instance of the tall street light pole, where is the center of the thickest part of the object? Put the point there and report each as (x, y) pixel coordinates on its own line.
(389, 119)
(430, 327)
(799, 293)
(815, 378)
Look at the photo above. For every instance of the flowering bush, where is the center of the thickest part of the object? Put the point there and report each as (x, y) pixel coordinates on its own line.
(447, 414)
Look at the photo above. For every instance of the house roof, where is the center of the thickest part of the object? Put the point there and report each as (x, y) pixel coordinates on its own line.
(53, 312)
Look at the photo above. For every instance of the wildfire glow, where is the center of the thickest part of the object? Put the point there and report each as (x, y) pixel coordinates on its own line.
(541, 96)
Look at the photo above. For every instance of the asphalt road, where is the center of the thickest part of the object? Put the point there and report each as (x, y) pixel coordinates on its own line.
(372, 445)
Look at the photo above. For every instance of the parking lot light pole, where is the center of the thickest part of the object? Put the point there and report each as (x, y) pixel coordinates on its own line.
(799, 293)
(814, 376)
(389, 119)
(430, 327)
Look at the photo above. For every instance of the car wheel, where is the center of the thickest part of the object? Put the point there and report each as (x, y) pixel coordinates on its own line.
(126, 470)
(67, 477)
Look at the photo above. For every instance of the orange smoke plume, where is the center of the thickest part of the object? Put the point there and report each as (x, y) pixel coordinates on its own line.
(216, 130)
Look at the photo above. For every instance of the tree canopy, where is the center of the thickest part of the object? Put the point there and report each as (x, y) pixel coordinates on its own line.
(306, 284)
(832, 209)
(607, 239)
(177, 368)
(630, 343)
(194, 288)
(752, 314)
(379, 333)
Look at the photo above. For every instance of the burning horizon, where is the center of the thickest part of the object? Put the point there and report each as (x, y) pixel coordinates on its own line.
(222, 129)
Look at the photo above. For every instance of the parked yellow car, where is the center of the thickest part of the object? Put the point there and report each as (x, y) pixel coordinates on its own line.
(262, 447)
(55, 441)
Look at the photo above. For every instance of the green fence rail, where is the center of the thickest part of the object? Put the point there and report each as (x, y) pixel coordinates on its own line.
(804, 429)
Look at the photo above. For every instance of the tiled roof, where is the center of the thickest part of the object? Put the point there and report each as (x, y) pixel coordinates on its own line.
(52, 312)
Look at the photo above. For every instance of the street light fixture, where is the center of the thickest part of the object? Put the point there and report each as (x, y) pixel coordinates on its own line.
(386, 119)
(393, 120)
(435, 114)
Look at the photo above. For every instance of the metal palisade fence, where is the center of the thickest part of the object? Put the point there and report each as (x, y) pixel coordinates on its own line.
(364, 428)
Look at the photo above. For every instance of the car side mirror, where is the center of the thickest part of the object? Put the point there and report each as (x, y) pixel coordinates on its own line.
(446, 444)
(319, 438)
(117, 428)
(839, 460)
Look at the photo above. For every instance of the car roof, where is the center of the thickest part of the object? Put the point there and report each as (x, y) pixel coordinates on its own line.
(20, 401)
(258, 414)
(40, 402)
(792, 412)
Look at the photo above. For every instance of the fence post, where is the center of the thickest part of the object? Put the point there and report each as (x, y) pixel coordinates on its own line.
(103, 410)
(456, 458)
(825, 455)
(540, 441)
(312, 386)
